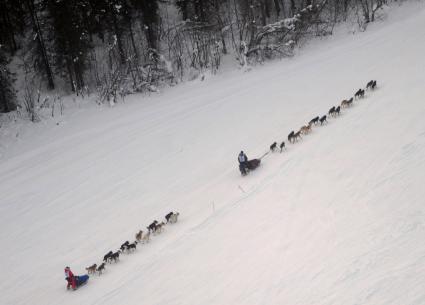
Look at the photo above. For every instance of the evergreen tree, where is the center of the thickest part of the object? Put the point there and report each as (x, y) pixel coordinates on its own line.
(11, 23)
(115, 10)
(70, 38)
(150, 20)
(7, 93)
(195, 10)
(41, 51)
(183, 6)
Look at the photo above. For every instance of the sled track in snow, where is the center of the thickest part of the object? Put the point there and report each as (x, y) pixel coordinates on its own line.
(230, 205)
(265, 182)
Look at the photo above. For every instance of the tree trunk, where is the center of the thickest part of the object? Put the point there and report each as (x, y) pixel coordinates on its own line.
(183, 8)
(252, 25)
(36, 25)
(293, 8)
(150, 22)
(335, 11)
(201, 11)
(79, 77)
(12, 34)
(6, 30)
(71, 79)
(150, 36)
(263, 13)
(133, 43)
(267, 8)
(283, 8)
(4, 105)
(118, 35)
(276, 7)
(346, 9)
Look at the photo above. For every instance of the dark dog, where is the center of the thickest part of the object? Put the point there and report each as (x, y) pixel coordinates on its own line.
(160, 226)
(297, 135)
(124, 246)
(132, 246)
(291, 136)
(167, 217)
(369, 84)
(282, 146)
(359, 93)
(101, 268)
(331, 111)
(115, 256)
(338, 110)
(273, 146)
(314, 121)
(323, 120)
(152, 226)
(107, 256)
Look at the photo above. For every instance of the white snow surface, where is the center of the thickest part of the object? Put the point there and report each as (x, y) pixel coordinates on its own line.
(338, 218)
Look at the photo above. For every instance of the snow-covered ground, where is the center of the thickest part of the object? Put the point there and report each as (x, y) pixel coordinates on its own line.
(338, 218)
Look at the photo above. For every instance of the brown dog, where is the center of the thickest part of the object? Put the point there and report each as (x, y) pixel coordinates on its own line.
(139, 235)
(346, 103)
(146, 237)
(91, 269)
(305, 129)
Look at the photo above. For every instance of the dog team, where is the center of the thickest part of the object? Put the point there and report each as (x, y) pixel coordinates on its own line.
(157, 227)
(141, 238)
(333, 112)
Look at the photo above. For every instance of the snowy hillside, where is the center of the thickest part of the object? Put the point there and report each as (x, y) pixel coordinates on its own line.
(338, 218)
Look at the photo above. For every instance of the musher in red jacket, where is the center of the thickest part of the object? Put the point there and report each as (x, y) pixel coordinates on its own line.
(70, 278)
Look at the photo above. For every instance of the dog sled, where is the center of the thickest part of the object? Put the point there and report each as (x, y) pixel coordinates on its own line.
(80, 280)
(249, 166)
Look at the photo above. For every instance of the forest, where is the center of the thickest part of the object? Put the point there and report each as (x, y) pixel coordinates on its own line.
(113, 48)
